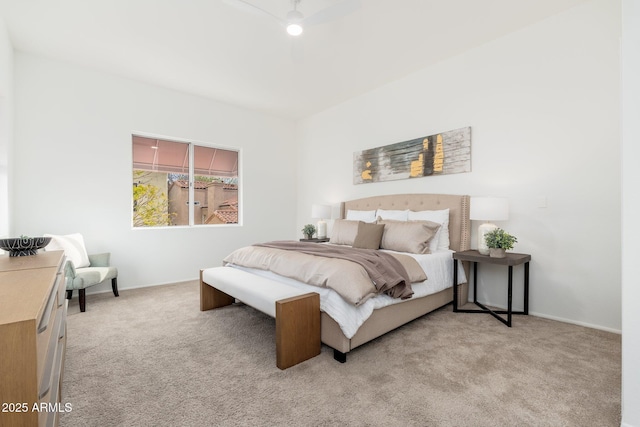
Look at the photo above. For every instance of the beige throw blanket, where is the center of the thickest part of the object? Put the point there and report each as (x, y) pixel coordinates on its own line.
(355, 274)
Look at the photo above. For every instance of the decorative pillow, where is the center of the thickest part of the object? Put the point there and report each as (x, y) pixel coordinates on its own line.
(73, 247)
(439, 216)
(391, 214)
(435, 241)
(366, 216)
(344, 232)
(416, 273)
(369, 236)
(411, 236)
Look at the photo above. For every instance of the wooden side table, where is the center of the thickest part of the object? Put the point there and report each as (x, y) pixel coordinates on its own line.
(510, 260)
(323, 240)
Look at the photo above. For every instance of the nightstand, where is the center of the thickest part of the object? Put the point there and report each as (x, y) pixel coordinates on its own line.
(509, 260)
(323, 240)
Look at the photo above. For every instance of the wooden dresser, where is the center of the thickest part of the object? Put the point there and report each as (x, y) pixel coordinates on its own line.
(33, 312)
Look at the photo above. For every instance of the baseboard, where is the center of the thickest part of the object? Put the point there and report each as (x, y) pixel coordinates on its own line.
(556, 318)
(109, 290)
(575, 322)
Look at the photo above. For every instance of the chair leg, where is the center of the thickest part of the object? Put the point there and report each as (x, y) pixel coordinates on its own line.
(114, 286)
(70, 294)
(81, 297)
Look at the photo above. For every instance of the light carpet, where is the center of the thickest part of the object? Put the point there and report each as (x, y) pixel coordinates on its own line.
(151, 358)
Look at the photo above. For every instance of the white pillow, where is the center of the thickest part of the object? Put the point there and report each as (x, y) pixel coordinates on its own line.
(442, 218)
(392, 215)
(73, 247)
(365, 216)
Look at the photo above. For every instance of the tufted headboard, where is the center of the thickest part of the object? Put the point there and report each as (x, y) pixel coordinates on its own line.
(459, 223)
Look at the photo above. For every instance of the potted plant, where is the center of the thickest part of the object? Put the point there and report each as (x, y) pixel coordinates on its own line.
(309, 230)
(499, 241)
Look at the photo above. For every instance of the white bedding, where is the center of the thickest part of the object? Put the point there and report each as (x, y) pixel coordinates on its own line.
(439, 269)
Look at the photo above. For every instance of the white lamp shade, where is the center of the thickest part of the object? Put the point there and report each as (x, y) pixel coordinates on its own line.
(321, 211)
(489, 209)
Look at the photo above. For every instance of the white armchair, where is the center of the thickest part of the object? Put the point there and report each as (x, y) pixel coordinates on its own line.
(83, 270)
(97, 272)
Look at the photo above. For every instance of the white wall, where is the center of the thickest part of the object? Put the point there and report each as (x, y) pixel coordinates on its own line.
(6, 124)
(72, 168)
(543, 105)
(630, 212)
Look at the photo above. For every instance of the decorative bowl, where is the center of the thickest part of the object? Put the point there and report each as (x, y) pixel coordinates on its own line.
(23, 246)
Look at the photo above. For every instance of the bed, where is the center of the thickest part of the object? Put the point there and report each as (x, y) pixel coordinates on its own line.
(378, 315)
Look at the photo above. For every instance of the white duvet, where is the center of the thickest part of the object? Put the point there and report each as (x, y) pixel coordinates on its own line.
(439, 269)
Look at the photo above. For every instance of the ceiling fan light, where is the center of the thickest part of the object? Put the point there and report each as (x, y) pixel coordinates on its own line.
(294, 29)
(294, 22)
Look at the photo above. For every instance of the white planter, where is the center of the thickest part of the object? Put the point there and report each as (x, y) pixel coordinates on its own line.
(497, 252)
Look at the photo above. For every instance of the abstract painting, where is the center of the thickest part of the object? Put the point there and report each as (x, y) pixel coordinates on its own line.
(439, 154)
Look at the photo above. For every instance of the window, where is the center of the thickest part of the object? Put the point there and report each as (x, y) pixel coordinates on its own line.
(182, 184)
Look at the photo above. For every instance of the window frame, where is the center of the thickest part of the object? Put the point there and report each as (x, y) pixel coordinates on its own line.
(192, 143)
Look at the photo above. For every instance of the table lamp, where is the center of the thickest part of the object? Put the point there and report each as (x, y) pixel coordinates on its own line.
(488, 209)
(321, 212)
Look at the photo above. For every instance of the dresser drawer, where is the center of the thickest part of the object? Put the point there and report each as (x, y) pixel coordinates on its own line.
(48, 366)
(45, 327)
(61, 283)
(50, 401)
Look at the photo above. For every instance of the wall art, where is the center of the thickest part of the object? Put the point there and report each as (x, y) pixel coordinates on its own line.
(439, 154)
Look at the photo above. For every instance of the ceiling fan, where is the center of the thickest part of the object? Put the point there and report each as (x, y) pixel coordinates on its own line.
(295, 21)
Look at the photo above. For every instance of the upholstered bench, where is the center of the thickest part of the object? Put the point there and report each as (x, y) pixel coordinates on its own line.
(297, 313)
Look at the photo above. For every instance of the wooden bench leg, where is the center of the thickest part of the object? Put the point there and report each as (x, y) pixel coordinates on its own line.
(211, 298)
(297, 329)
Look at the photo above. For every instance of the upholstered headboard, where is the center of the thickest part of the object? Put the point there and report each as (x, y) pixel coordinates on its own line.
(459, 223)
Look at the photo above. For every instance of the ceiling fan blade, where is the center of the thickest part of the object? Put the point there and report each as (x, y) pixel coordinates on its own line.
(251, 8)
(337, 10)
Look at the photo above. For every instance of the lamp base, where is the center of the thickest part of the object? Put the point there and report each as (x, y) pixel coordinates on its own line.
(482, 230)
(322, 229)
